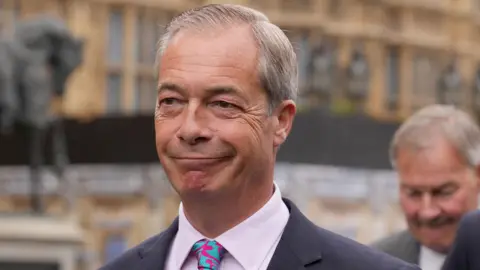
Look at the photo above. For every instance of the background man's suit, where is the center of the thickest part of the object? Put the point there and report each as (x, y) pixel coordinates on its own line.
(303, 245)
(465, 253)
(401, 245)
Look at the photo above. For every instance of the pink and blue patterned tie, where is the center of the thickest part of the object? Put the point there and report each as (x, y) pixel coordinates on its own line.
(208, 253)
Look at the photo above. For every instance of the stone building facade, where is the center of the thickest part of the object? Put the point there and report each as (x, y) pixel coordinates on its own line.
(410, 49)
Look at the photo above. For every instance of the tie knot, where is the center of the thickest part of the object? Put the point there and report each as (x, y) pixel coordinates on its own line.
(208, 253)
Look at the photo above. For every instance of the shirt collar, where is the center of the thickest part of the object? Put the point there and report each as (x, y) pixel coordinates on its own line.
(430, 259)
(266, 224)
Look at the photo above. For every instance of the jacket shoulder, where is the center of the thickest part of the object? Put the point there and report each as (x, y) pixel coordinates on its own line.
(468, 231)
(344, 253)
(471, 220)
(129, 259)
(393, 242)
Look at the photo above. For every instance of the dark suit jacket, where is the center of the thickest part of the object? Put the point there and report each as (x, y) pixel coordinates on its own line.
(302, 246)
(466, 248)
(401, 245)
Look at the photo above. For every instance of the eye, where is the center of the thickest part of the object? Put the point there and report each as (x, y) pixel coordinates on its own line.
(224, 105)
(444, 192)
(168, 101)
(414, 193)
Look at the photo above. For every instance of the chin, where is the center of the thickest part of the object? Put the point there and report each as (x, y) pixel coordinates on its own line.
(438, 243)
(199, 183)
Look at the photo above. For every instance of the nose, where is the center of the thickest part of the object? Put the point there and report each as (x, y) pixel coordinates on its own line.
(429, 209)
(193, 129)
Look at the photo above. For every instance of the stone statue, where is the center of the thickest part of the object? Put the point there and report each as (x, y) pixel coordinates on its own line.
(358, 76)
(34, 67)
(450, 86)
(322, 69)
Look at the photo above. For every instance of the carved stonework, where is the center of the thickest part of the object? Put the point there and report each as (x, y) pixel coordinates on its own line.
(450, 86)
(358, 76)
(322, 70)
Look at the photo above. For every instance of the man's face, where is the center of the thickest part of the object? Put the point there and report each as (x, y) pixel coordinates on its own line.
(213, 129)
(436, 189)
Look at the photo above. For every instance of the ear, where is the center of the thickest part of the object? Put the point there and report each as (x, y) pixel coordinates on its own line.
(284, 114)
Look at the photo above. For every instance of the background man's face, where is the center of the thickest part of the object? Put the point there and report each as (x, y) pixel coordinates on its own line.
(436, 189)
(212, 125)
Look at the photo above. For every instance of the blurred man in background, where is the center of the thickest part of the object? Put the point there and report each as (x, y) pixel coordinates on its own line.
(436, 153)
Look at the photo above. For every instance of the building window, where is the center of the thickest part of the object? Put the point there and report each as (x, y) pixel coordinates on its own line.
(322, 71)
(358, 75)
(115, 245)
(147, 32)
(301, 45)
(115, 44)
(392, 74)
(150, 25)
(450, 85)
(145, 94)
(425, 80)
(115, 37)
(114, 93)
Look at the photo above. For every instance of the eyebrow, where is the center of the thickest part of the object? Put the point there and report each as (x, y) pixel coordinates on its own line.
(441, 186)
(162, 87)
(212, 91)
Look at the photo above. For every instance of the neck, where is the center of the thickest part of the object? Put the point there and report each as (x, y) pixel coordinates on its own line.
(214, 216)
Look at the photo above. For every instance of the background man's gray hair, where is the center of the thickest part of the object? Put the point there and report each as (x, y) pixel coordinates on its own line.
(452, 124)
(277, 66)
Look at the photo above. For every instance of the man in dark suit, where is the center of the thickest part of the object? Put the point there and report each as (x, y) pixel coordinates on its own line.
(227, 81)
(466, 248)
(436, 154)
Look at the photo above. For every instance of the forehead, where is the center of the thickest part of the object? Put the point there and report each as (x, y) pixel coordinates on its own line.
(199, 57)
(433, 164)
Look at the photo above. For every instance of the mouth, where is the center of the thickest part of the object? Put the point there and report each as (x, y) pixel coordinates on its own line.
(199, 163)
(437, 223)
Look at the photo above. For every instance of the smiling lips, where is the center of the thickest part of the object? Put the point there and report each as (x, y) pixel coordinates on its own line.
(198, 164)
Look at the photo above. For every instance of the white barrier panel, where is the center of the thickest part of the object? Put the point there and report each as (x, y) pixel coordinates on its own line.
(357, 203)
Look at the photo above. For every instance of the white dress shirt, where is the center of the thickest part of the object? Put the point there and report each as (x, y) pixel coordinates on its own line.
(430, 259)
(250, 245)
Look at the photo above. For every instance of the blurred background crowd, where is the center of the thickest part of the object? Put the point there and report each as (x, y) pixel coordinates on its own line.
(365, 66)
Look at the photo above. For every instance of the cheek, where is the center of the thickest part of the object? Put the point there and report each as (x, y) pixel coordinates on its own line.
(246, 137)
(409, 207)
(164, 132)
(240, 137)
(458, 204)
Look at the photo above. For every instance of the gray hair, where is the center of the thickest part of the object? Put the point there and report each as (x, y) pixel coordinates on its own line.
(277, 66)
(453, 124)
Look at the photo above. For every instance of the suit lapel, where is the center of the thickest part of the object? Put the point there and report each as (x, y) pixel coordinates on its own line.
(154, 257)
(411, 249)
(405, 247)
(298, 247)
